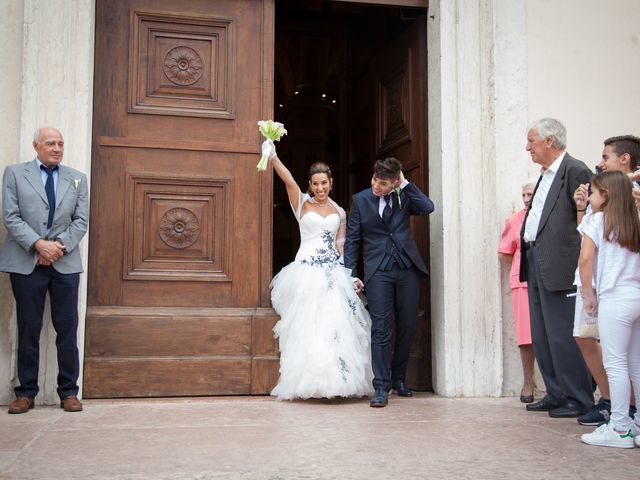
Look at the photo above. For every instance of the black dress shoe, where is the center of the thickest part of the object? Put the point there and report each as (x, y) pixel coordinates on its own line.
(401, 389)
(380, 398)
(542, 406)
(570, 410)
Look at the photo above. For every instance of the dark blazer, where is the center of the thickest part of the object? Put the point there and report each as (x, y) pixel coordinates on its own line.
(557, 243)
(365, 225)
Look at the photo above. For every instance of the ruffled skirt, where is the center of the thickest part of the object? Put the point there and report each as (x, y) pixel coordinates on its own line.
(324, 333)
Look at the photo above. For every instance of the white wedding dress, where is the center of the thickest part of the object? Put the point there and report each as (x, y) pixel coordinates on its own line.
(324, 330)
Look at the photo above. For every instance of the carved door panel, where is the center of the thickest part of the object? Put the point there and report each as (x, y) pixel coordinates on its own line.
(180, 247)
(394, 92)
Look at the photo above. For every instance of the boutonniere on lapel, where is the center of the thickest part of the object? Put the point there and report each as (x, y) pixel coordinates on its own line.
(76, 183)
(398, 190)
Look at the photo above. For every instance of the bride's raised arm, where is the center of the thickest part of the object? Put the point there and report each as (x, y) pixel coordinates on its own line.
(293, 190)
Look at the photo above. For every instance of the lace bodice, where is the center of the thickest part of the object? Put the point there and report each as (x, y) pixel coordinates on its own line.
(319, 235)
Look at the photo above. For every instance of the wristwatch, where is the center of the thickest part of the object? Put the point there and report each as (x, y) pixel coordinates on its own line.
(64, 249)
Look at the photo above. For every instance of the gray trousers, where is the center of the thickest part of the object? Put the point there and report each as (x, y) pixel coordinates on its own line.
(564, 372)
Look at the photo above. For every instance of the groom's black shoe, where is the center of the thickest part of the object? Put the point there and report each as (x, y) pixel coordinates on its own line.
(380, 398)
(401, 389)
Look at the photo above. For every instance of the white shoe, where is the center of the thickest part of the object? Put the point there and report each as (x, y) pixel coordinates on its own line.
(606, 436)
(635, 431)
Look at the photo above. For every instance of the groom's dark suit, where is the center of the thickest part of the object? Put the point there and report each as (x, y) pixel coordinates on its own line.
(393, 267)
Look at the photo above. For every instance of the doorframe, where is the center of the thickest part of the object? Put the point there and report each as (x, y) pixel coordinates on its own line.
(266, 186)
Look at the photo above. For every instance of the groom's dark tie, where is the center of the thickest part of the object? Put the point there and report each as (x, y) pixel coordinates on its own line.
(51, 193)
(386, 213)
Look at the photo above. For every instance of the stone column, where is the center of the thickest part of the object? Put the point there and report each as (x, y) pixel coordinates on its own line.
(11, 28)
(513, 163)
(476, 118)
(50, 59)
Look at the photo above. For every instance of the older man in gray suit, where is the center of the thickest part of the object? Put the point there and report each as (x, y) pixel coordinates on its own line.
(45, 210)
(550, 250)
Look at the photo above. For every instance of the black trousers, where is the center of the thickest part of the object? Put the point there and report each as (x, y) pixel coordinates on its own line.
(392, 294)
(564, 372)
(30, 292)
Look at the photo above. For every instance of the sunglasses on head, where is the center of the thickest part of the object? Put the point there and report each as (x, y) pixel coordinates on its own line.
(598, 172)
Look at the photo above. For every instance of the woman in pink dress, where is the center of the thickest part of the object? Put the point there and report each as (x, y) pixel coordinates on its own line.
(509, 250)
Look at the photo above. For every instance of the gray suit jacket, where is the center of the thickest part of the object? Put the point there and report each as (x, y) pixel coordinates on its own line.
(25, 212)
(557, 244)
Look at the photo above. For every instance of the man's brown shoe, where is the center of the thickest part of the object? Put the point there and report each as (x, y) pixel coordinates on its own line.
(21, 405)
(71, 404)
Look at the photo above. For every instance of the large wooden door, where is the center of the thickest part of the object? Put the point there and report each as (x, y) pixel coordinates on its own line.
(389, 119)
(180, 235)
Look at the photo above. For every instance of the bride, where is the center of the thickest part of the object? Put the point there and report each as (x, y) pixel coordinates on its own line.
(324, 330)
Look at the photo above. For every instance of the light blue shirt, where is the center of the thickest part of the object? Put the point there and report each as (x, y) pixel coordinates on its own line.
(44, 176)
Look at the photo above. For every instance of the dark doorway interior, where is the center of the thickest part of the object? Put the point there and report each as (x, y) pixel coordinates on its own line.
(322, 52)
(325, 96)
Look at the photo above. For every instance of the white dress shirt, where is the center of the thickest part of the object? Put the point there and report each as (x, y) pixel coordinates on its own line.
(382, 203)
(537, 204)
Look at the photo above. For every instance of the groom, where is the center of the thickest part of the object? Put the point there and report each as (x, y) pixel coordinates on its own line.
(380, 220)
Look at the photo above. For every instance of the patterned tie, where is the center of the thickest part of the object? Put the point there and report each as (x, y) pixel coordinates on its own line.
(386, 213)
(51, 193)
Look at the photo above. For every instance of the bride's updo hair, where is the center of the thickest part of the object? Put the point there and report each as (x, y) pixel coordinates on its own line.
(318, 167)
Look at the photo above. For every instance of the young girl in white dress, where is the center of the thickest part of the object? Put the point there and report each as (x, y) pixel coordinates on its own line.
(324, 330)
(610, 255)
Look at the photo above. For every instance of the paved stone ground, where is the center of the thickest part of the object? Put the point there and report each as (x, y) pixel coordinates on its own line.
(427, 437)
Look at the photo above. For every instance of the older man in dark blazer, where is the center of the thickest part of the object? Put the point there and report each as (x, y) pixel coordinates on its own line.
(550, 251)
(45, 209)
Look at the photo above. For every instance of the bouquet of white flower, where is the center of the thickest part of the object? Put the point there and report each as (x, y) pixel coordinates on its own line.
(272, 131)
